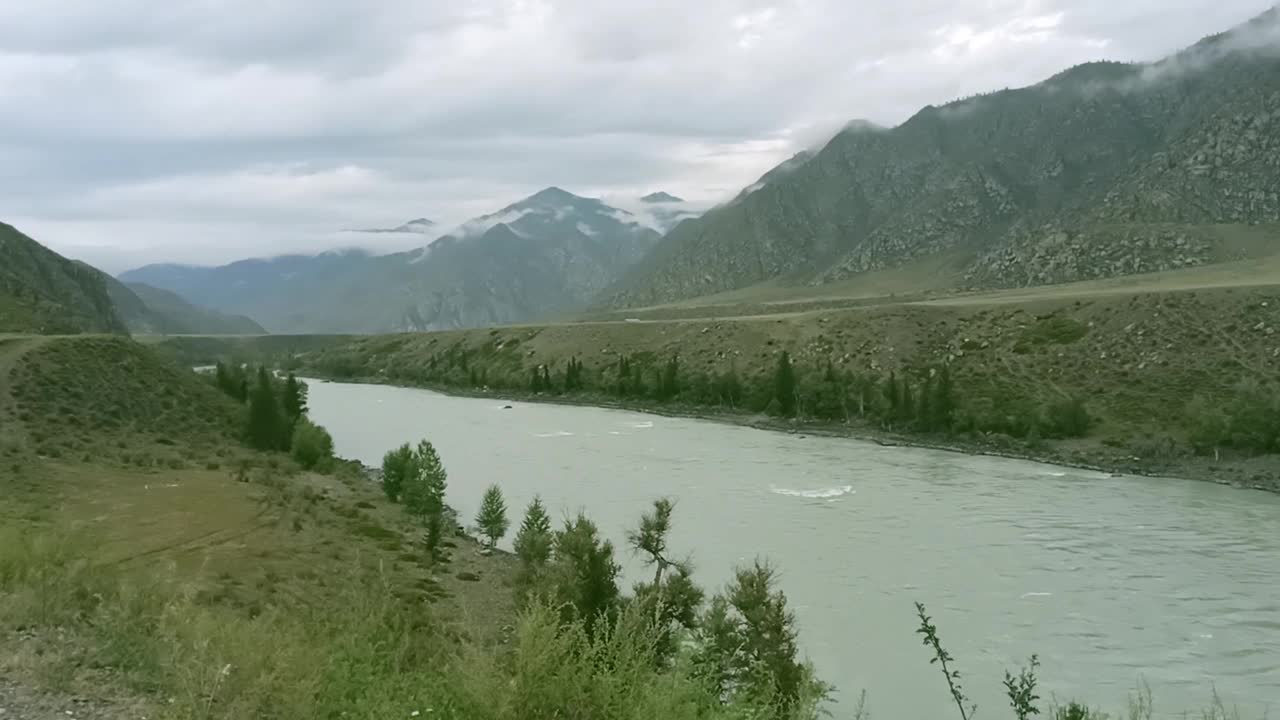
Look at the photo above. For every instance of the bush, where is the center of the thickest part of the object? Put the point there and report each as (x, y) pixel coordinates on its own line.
(312, 445)
(1069, 418)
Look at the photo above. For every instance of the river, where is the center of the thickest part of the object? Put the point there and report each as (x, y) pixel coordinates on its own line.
(1111, 580)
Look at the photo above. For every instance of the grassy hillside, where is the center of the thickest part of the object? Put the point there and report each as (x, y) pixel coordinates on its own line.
(43, 292)
(1138, 361)
(160, 312)
(278, 350)
(112, 400)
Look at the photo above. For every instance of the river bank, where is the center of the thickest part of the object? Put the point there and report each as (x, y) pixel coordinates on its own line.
(1257, 473)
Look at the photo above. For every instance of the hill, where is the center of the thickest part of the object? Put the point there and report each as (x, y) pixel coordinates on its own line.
(1106, 169)
(258, 288)
(169, 314)
(43, 292)
(112, 400)
(546, 255)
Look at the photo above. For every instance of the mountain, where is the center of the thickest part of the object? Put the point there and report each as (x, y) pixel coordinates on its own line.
(166, 313)
(548, 254)
(43, 292)
(421, 226)
(661, 197)
(263, 289)
(1105, 169)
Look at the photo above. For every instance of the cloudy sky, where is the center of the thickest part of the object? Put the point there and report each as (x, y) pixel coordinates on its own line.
(135, 131)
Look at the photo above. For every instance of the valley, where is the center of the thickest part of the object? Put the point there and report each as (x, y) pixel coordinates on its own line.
(1014, 360)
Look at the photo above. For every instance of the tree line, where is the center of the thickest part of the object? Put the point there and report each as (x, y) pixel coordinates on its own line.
(275, 416)
(925, 399)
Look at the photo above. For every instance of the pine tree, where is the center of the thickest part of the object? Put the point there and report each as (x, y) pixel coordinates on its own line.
(748, 644)
(784, 385)
(732, 386)
(669, 381)
(925, 417)
(534, 540)
(907, 403)
(424, 492)
(535, 380)
(670, 603)
(583, 574)
(492, 518)
(533, 544)
(221, 379)
(294, 399)
(546, 378)
(944, 404)
(891, 396)
(266, 423)
(397, 469)
(433, 536)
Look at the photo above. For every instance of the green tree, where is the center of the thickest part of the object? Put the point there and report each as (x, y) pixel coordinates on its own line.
(943, 406)
(924, 406)
(669, 381)
(397, 470)
(728, 389)
(784, 386)
(747, 645)
(583, 574)
(294, 399)
(312, 446)
(424, 492)
(492, 517)
(533, 544)
(670, 603)
(892, 397)
(267, 427)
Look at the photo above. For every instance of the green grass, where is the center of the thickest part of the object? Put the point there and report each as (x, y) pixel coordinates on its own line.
(97, 395)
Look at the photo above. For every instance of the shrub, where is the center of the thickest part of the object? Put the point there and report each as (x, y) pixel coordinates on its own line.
(312, 445)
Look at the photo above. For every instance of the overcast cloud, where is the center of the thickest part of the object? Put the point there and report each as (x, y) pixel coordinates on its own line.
(137, 131)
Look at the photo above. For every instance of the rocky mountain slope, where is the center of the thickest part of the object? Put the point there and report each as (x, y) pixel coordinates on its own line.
(548, 254)
(45, 293)
(1105, 169)
(161, 312)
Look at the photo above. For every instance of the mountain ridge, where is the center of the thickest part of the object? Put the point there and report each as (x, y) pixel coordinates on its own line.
(1080, 176)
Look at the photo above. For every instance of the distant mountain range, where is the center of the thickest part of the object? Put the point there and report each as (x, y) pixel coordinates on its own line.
(1106, 169)
(548, 254)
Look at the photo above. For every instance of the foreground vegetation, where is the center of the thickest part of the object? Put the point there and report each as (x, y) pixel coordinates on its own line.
(575, 647)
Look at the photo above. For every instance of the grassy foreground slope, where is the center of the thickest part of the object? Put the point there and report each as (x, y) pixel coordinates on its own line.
(1139, 361)
(151, 566)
